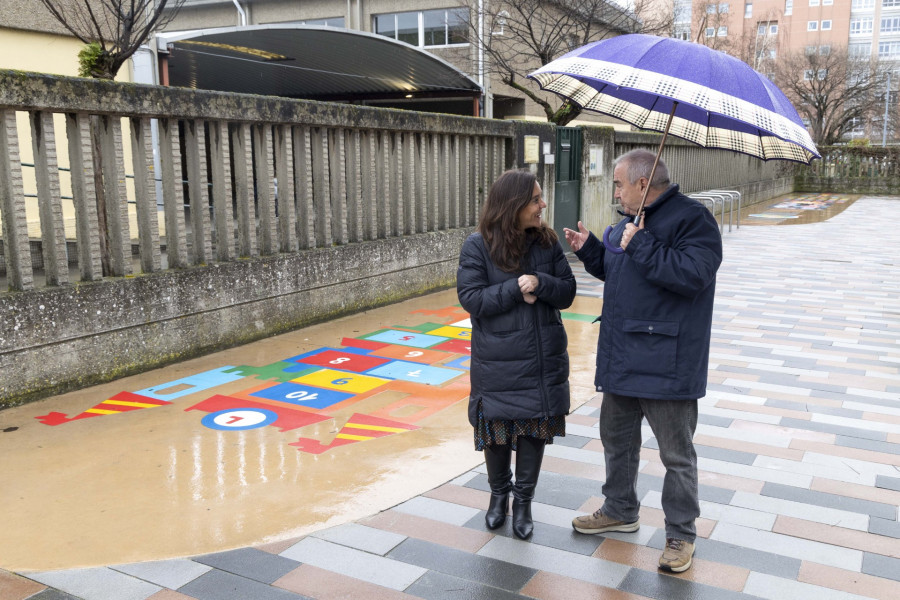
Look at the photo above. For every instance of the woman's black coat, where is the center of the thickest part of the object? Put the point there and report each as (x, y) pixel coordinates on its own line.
(520, 366)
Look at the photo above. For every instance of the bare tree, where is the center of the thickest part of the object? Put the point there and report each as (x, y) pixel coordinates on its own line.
(831, 89)
(113, 29)
(519, 36)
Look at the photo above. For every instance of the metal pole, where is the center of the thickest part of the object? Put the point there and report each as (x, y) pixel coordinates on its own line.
(887, 96)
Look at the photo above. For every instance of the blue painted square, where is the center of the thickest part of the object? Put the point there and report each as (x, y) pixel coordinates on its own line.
(302, 395)
(459, 363)
(191, 384)
(407, 338)
(414, 372)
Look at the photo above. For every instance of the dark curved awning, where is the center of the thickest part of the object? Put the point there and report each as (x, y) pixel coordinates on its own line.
(310, 62)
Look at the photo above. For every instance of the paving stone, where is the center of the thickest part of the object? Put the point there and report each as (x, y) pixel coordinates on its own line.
(810, 407)
(439, 586)
(888, 483)
(890, 528)
(665, 587)
(170, 574)
(802, 510)
(355, 563)
(569, 564)
(219, 585)
(456, 563)
(714, 420)
(735, 456)
(850, 442)
(795, 494)
(836, 429)
(760, 585)
(562, 537)
(96, 584)
(785, 545)
(250, 563)
(881, 566)
(438, 510)
(51, 594)
(572, 441)
(361, 537)
(739, 556)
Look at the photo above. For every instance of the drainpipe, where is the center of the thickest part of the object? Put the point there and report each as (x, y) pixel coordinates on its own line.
(241, 12)
(359, 11)
(349, 15)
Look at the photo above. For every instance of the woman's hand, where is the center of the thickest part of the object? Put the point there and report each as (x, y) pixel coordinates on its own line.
(528, 283)
(529, 298)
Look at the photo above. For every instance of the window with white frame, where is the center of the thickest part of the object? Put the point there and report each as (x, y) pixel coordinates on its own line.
(826, 24)
(889, 49)
(723, 31)
(890, 3)
(748, 10)
(827, 2)
(859, 49)
(862, 4)
(890, 24)
(813, 2)
(761, 29)
(441, 27)
(711, 9)
(773, 29)
(710, 32)
(812, 25)
(861, 25)
(825, 50)
(810, 50)
(788, 7)
(723, 7)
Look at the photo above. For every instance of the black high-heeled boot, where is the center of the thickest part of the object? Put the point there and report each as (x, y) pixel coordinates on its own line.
(497, 459)
(529, 455)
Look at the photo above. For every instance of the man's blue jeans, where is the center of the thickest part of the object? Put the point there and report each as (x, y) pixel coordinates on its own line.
(673, 423)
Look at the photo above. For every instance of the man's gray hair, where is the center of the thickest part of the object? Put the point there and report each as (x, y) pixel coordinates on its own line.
(638, 163)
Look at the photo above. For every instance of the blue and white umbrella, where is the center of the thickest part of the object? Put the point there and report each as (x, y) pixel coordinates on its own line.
(720, 101)
(688, 90)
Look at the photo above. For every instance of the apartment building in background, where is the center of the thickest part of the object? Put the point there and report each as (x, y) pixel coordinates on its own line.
(759, 31)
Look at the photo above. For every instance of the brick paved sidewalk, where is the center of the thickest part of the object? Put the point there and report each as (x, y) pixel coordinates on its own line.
(799, 446)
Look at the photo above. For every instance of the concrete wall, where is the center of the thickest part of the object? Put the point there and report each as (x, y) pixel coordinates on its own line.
(66, 337)
(372, 207)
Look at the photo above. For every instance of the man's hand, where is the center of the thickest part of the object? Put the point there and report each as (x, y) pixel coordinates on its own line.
(629, 232)
(529, 297)
(576, 239)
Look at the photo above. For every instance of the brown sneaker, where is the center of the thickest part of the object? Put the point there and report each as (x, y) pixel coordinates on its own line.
(677, 556)
(600, 523)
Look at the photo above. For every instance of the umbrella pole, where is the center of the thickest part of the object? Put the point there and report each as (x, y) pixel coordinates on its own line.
(637, 217)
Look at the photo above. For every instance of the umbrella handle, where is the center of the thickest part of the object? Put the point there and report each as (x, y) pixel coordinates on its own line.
(609, 246)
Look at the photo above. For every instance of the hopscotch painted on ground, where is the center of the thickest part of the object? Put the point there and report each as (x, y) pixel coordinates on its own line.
(426, 366)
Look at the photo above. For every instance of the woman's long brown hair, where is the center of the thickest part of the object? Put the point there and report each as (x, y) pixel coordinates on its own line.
(499, 224)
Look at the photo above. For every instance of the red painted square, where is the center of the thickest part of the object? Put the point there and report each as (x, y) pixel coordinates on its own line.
(455, 346)
(344, 361)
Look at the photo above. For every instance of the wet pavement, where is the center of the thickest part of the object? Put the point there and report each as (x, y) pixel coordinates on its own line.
(336, 461)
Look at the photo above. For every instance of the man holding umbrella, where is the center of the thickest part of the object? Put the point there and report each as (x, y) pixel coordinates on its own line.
(653, 347)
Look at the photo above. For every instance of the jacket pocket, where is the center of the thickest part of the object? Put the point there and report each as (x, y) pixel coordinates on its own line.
(650, 347)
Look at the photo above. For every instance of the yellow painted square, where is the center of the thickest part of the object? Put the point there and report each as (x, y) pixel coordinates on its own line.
(461, 333)
(341, 381)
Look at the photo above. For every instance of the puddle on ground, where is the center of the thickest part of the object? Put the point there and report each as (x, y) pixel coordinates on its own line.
(797, 209)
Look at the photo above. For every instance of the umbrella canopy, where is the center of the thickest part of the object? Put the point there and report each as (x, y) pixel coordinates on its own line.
(720, 102)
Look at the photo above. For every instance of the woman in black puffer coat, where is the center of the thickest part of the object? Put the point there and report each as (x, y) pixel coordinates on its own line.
(513, 279)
